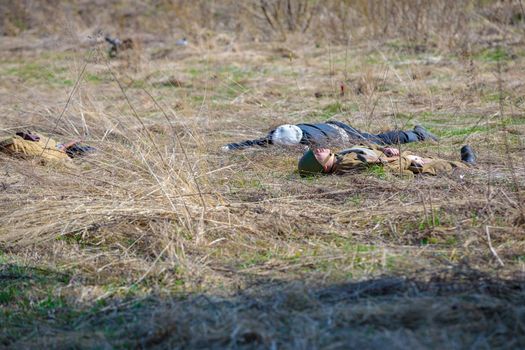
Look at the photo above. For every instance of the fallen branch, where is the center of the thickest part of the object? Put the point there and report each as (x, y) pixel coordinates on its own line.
(492, 248)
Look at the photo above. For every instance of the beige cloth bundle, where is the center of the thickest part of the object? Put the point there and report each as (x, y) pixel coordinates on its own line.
(45, 148)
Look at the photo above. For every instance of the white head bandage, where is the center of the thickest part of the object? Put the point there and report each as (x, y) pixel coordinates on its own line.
(287, 135)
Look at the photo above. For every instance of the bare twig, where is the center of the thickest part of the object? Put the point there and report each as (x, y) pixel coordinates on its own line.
(492, 248)
(73, 90)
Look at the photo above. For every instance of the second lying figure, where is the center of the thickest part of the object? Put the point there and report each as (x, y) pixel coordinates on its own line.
(320, 134)
(322, 160)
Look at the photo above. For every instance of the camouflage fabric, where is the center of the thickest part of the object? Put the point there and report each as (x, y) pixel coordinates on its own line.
(46, 148)
(396, 165)
(438, 166)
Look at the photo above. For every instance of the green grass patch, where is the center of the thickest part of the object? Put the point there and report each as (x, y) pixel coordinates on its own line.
(355, 200)
(32, 72)
(8, 294)
(228, 91)
(346, 244)
(254, 258)
(405, 116)
(197, 99)
(514, 120)
(196, 72)
(429, 240)
(373, 59)
(496, 54)
(465, 131)
(331, 109)
(495, 96)
(94, 78)
(376, 170)
(430, 221)
(520, 258)
(138, 84)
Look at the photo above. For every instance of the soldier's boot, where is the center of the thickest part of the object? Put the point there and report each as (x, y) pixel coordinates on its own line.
(467, 155)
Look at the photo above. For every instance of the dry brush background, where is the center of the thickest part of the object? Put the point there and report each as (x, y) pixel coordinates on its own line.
(162, 240)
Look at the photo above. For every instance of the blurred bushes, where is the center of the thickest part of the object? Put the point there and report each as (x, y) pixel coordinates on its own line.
(446, 24)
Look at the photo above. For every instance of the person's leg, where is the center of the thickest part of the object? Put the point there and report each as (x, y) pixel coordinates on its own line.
(418, 134)
(392, 137)
(387, 138)
(423, 134)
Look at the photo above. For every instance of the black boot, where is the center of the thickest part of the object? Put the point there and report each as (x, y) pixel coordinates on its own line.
(467, 155)
(424, 134)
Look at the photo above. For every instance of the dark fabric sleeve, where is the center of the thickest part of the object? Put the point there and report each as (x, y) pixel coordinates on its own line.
(318, 135)
(261, 142)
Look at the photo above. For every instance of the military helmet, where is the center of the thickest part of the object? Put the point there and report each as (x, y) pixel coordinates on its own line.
(309, 165)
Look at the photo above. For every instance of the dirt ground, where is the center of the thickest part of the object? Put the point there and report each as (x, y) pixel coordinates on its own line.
(162, 240)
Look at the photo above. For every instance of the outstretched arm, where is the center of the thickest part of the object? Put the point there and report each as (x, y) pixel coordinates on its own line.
(261, 142)
(67, 145)
(365, 158)
(369, 149)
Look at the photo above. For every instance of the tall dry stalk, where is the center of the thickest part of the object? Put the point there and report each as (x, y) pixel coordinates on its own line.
(134, 189)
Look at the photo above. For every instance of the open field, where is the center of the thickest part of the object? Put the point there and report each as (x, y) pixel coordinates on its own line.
(160, 240)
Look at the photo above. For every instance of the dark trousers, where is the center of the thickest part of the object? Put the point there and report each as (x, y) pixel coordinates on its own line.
(391, 137)
(386, 138)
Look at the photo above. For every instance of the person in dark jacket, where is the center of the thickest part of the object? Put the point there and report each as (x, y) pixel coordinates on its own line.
(322, 134)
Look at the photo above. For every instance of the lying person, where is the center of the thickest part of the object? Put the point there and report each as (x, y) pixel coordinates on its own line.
(331, 132)
(31, 145)
(118, 45)
(323, 161)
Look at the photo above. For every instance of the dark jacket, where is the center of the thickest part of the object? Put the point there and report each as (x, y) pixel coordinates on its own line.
(321, 134)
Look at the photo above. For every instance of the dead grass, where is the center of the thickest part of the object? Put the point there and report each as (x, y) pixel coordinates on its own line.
(160, 240)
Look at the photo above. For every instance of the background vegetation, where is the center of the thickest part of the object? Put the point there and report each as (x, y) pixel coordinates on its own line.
(162, 240)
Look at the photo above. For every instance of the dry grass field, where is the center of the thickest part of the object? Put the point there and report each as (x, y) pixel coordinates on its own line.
(161, 240)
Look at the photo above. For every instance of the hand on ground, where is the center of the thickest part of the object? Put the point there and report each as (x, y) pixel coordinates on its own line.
(391, 151)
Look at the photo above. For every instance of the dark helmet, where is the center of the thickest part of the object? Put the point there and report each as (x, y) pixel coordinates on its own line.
(309, 165)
